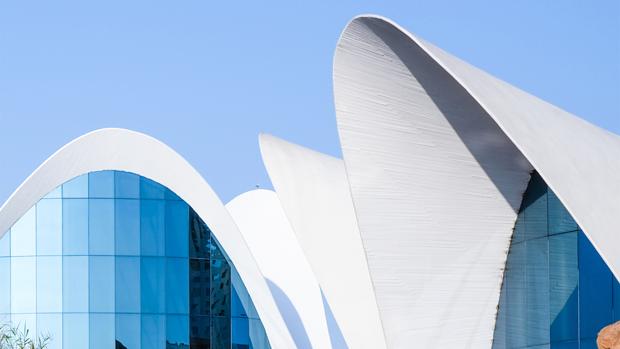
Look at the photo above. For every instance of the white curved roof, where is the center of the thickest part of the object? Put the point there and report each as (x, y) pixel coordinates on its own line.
(124, 150)
(273, 244)
(438, 154)
(314, 193)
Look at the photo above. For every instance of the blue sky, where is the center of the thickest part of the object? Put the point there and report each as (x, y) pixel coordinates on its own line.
(206, 77)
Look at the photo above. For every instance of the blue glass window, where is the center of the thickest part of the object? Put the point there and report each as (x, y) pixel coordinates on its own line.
(153, 285)
(127, 227)
(560, 221)
(126, 185)
(23, 285)
(177, 229)
(5, 285)
(154, 331)
(199, 237)
(152, 225)
(220, 332)
(595, 290)
(127, 285)
(102, 262)
(102, 331)
(563, 282)
(23, 235)
(557, 290)
(128, 330)
(75, 277)
(76, 188)
(54, 194)
(177, 286)
(75, 227)
(5, 244)
(177, 330)
(102, 284)
(101, 184)
(151, 190)
(49, 227)
(49, 284)
(240, 333)
(51, 325)
(75, 330)
(101, 226)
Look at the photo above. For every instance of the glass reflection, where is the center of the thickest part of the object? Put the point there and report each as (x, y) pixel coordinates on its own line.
(114, 260)
(557, 290)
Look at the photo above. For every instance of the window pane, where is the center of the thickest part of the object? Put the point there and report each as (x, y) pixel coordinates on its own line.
(151, 190)
(50, 325)
(75, 330)
(128, 330)
(177, 286)
(23, 235)
(49, 227)
(200, 286)
(102, 331)
(127, 185)
(76, 188)
(154, 331)
(220, 288)
(535, 208)
(54, 194)
(220, 332)
(177, 229)
(516, 300)
(5, 285)
(563, 293)
(25, 321)
(560, 220)
(595, 288)
(170, 195)
(128, 284)
(240, 333)
(5, 244)
(153, 285)
(127, 227)
(101, 184)
(23, 284)
(152, 223)
(102, 290)
(75, 226)
(177, 331)
(75, 279)
(537, 276)
(200, 331)
(49, 284)
(101, 226)
(199, 237)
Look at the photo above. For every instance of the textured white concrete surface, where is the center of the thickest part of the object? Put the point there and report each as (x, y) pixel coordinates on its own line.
(438, 154)
(314, 193)
(269, 235)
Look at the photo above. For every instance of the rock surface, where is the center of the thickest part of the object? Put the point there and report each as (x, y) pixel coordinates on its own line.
(609, 337)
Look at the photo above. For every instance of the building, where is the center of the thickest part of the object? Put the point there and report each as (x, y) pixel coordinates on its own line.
(465, 213)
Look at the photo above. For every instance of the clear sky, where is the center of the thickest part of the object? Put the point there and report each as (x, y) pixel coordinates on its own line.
(206, 77)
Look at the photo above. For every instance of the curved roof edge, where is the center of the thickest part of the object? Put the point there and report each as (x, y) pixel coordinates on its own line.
(265, 227)
(314, 193)
(130, 151)
(403, 108)
(583, 176)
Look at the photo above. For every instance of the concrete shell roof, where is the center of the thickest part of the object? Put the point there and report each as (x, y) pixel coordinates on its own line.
(124, 150)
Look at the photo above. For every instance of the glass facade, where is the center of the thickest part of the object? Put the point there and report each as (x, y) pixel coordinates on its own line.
(557, 291)
(114, 260)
